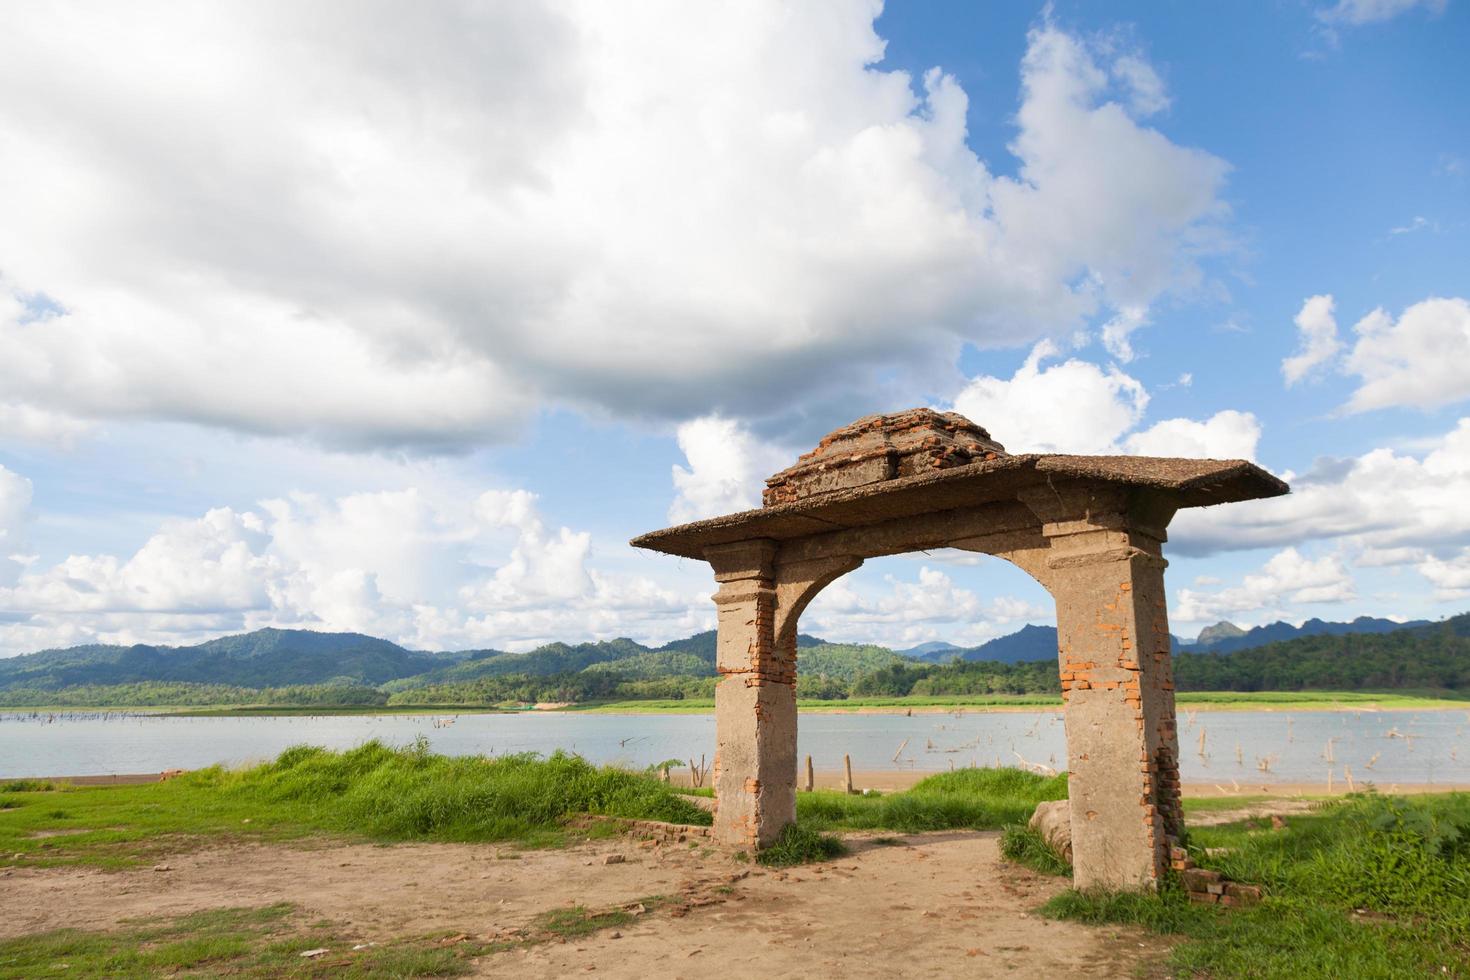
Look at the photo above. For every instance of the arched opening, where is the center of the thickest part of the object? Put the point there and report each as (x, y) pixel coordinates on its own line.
(907, 615)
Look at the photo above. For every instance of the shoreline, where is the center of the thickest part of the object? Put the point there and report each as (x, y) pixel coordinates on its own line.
(1186, 704)
(898, 780)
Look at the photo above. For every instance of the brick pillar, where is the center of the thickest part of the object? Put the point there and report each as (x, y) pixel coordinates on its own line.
(1106, 571)
(755, 701)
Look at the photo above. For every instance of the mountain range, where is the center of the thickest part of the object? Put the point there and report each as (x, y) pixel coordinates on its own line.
(282, 658)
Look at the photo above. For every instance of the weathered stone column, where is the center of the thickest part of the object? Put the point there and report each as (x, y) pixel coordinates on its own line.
(755, 701)
(1106, 571)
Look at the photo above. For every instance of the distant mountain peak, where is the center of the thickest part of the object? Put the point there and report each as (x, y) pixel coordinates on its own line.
(1220, 631)
(927, 649)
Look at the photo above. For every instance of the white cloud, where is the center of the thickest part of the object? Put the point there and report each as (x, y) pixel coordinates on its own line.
(1318, 339)
(427, 573)
(1113, 197)
(931, 607)
(1419, 360)
(1287, 578)
(1355, 13)
(1451, 576)
(1147, 93)
(1418, 224)
(15, 502)
(1225, 435)
(1072, 407)
(1078, 407)
(410, 225)
(727, 469)
(1381, 500)
(27, 423)
(1416, 361)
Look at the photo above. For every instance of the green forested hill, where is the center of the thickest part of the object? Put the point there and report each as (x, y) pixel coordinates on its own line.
(1433, 656)
(264, 658)
(303, 667)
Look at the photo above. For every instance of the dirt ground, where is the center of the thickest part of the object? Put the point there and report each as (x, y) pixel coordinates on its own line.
(934, 905)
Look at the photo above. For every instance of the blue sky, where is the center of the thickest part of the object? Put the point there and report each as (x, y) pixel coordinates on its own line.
(405, 324)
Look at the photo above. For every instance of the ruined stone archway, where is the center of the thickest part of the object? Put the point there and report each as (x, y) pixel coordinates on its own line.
(1089, 529)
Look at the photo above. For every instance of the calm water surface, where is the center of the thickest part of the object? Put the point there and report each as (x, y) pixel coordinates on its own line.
(1380, 746)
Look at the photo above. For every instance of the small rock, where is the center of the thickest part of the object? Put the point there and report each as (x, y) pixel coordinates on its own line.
(246, 820)
(615, 935)
(162, 867)
(614, 859)
(312, 954)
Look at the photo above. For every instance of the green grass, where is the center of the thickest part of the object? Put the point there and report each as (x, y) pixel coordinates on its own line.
(244, 942)
(1320, 700)
(801, 845)
(575, 921)
(1369, 886)
(372, 791)
(1025, 846)
(1206, 804)
(974, 799)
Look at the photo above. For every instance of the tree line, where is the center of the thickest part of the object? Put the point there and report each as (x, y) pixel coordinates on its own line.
(1433, 657)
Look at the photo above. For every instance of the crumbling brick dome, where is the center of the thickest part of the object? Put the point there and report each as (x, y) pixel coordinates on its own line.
(883, 447)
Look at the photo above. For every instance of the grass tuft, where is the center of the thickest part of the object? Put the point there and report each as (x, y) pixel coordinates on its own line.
(575, 921)
(973, 799)
(801, 845)
(25, 786)
(1025, 846)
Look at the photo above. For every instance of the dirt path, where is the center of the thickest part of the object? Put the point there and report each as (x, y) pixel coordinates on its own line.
(939, 904)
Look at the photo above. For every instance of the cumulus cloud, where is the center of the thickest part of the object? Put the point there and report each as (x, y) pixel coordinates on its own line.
(1450, 576)
(1289, 577)
(391, 225)
(727, 468)
(15, 502)
(1228, 434)
(395, 564)
(1318, 343)
(1078, 407)
(27, 423)
(907, 613)
(1074, 406)
(1378, 501)
(1418, 360)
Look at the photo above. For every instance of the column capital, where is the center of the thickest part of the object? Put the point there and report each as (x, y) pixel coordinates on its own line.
(1100, 517)
(755, 558)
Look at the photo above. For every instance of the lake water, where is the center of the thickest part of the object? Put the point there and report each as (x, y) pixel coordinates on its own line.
(1380, 746)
